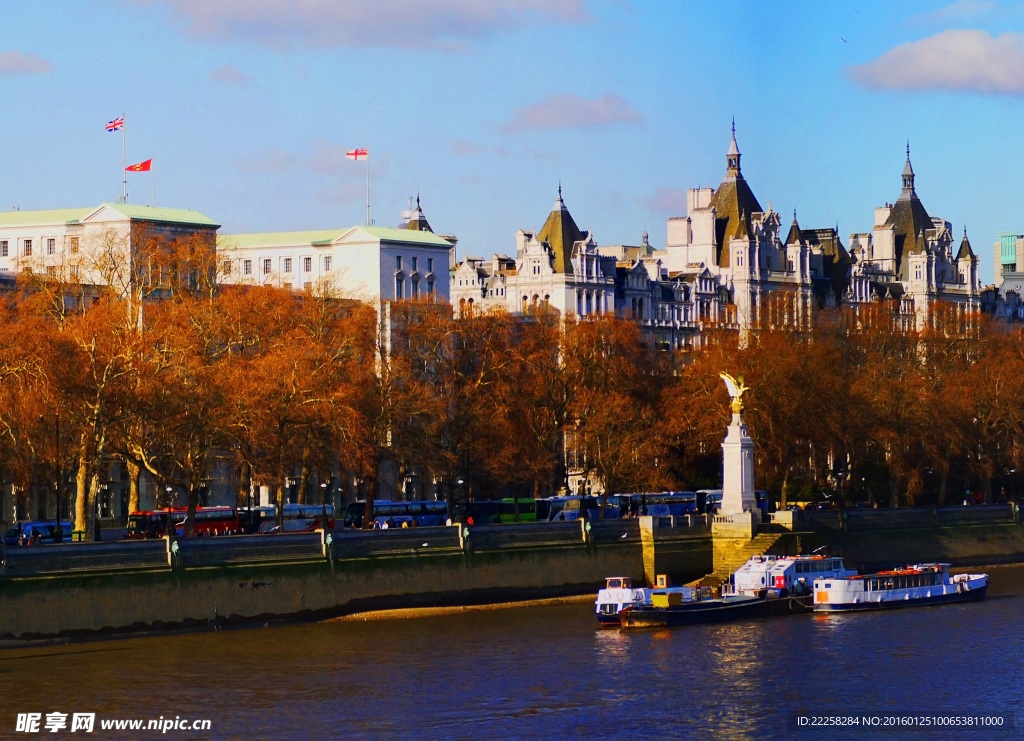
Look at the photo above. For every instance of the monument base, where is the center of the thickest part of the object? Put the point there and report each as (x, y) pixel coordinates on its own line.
(738, 525)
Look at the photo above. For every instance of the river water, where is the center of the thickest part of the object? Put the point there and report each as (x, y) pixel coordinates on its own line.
(541, 672)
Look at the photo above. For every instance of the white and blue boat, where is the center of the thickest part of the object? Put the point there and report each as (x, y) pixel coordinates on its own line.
(920, 584)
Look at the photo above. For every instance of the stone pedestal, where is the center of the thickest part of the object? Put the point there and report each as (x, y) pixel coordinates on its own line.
(737, 469)
(737, 525)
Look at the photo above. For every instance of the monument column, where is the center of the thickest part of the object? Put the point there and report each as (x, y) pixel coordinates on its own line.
(739, 512)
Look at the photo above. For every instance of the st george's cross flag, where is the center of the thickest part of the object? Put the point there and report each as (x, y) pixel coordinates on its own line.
(357, 154)
(116, 125)
(141, 167)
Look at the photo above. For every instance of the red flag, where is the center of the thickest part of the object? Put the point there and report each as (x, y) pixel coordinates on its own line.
(141, 167)
(357, 154)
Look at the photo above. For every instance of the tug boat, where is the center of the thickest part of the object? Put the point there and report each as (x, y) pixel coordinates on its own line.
(920, 584)
(764, 586)
(619, 594)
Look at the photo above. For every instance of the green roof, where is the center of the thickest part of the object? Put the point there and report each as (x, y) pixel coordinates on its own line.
(50, 216)
(75, 215)
(326, 236)
(158, 213)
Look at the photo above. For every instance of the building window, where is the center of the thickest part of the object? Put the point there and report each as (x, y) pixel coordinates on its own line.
(399, 286)
(51, 271)
(3, 248)
(287, 265)
(415, 285)
(51, 246)
(74, 245)
(430, 265)
(28, 247)
(266, 266)
(415, 264)
(917, 273)
(327, 264)
(398, 262)
(430, 288)
(74, 272)
(307, 264)
(226, 267)
(247, 267)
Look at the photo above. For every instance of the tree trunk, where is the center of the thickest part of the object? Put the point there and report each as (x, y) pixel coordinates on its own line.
(244, 485)
(785, 490)
(279, 502)
(942, 485)
(82, 495)
(91, 526)
(134, 471)
(303, 482)
(371, 497)
(988, 488)
(190, 517)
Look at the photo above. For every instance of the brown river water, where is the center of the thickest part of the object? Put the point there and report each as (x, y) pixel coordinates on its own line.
(540, 672)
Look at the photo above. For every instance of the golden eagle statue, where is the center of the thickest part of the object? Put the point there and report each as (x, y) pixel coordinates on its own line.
(736, 390)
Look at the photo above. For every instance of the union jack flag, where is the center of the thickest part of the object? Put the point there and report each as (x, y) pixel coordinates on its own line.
(116, 125)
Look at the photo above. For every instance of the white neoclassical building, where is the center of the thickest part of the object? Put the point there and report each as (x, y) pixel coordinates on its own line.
(92, 245)
(371, 263)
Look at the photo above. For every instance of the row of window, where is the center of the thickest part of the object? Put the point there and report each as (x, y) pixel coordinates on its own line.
(267, 265)
(414, 287)
(415, 263)
(27, 246)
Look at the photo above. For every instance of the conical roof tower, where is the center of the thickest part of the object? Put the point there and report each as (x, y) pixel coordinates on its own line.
(561, 234)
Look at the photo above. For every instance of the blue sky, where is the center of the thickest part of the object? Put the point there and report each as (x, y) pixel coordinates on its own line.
(483, 106)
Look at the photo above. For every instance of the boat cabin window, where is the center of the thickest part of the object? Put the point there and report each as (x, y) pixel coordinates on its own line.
(614, 583)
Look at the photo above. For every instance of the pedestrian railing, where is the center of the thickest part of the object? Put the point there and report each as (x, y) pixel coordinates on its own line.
(75, 557)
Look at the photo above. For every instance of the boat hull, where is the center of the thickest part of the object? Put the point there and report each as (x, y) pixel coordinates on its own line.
(972, 595)
(713, 611)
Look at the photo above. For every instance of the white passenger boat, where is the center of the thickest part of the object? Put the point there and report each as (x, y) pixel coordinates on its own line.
(619, 594)
(773, 574)
(921, 584)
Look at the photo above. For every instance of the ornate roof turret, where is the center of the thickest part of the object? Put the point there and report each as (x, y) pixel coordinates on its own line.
(418, 222)
(794, 236)
(965, 252)
(908, 180)
(910, 221)
(561, 234)
(734, 203)
(732, 157)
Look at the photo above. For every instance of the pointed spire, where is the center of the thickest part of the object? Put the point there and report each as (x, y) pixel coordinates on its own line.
(965, 252)
(732, 157)
(417, 221)
(908, 179)
(559, 203)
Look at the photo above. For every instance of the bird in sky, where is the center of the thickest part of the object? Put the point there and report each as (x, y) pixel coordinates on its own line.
(842, 39)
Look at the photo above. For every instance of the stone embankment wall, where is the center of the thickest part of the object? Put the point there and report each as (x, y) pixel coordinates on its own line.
(82, 589)
(90, 588)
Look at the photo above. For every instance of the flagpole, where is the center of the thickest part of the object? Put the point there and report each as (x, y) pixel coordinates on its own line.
(367, 187)
(152, 174)
(124, 160)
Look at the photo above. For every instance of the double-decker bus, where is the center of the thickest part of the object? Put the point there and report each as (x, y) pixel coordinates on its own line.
(393, 514)
(161, 522)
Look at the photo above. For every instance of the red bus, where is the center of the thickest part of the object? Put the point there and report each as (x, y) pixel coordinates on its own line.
(209, 521)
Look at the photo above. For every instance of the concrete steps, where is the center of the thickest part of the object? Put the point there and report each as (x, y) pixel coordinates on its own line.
(729, 557)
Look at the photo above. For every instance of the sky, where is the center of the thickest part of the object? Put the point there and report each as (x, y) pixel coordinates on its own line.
(483, 107)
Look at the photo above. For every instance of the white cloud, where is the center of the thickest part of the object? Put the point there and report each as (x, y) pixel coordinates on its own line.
(957, 12)
(538, 155)
(956, 60)
(273, 160)
(445, 24)
(568, 111)
(15, 63)
(671, 200)
(227, 73)
(466, 148)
